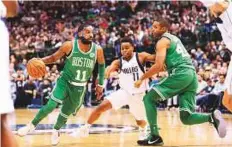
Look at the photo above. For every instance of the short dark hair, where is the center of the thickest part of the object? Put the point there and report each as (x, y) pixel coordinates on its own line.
(82, 26)
(222, 75)
(164, 22)
(127, 39)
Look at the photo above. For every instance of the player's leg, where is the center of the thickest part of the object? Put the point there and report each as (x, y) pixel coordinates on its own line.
(71, 103)
(115, 100)
(167, 88)
(188, 116)
(104, 106)
(187, 110)
(138, 111)
(57, 96)
(141, 123)
(7, 137)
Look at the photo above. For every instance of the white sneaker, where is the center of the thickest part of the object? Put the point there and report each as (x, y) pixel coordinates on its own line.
(219, 123)
(143, 133)
(26, 129)
(83, 131)
(55, 139)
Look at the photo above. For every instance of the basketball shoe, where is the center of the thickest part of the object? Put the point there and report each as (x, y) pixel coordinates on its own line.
(26, 129)
(219, 123)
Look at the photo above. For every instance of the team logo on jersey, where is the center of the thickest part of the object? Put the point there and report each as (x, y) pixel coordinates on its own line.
(91, 55)
(68, 128)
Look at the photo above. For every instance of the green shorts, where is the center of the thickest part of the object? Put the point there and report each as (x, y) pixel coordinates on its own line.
(66, 93)
(182, 82)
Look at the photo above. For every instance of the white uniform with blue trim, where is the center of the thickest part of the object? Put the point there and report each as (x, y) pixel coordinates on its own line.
(130, 72)
(6, 104)
(226, 33)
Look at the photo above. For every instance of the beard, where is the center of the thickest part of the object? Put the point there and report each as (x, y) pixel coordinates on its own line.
(85, 41)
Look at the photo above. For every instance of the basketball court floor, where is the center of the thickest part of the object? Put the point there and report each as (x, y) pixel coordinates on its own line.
(118, 129)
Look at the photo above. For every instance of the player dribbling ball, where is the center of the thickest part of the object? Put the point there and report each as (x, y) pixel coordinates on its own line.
(36, 68)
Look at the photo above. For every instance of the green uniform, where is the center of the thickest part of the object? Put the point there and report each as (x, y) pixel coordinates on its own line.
(71, 85)
(182, 81)
(77, 70)
(182, 76)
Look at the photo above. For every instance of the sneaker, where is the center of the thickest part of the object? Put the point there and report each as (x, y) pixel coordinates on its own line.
(83, 131)
(219, 123)
(26, 129)
(55, 139)
(143, 133)
(152, 140)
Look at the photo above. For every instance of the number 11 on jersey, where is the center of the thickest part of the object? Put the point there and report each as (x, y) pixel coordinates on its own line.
(81, 74)
(136, 76)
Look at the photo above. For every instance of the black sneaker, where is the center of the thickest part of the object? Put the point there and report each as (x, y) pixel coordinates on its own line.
(152, 140)
(219, 123)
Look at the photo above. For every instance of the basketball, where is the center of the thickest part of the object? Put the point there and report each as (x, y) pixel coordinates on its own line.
(36, 68)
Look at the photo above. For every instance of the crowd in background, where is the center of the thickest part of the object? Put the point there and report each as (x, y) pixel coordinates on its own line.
(42, 27)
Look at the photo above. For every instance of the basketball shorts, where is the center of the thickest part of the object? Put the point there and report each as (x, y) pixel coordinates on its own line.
(182, 82)
(66, 93)
(121, 98)
(6, 105)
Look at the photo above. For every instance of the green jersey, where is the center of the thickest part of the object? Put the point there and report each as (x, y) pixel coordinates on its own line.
(177, 55)
(79, 65)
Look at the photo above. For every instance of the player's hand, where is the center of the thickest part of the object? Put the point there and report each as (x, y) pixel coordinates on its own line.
(99, 92)
(138, 83)
(2, 10)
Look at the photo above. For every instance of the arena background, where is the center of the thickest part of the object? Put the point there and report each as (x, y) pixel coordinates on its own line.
(41, 28)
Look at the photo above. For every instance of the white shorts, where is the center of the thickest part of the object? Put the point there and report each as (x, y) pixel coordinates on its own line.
(121, 97)
(6, 104)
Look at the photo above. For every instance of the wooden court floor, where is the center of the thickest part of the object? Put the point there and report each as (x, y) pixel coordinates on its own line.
(123, 131)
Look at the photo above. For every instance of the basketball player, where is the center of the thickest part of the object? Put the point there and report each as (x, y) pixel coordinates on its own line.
(221, 11)
(130, 67)
(7, 9)
(182, 81)
(70, 87)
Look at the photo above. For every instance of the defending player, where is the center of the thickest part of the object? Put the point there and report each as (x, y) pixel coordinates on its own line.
(130, 67)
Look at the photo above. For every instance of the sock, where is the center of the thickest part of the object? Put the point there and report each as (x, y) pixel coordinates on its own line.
(44, 111)
(194, 118)
(151, 111)
(60, 122)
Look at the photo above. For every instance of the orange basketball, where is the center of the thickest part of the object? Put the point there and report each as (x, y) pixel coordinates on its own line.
(36, 68)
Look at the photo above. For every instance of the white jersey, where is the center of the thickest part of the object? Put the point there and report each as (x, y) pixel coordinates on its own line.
(6, 104)
(226, 27)
(130, 72)
(226, 32)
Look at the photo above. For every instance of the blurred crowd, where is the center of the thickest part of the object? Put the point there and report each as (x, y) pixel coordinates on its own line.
(42, 27)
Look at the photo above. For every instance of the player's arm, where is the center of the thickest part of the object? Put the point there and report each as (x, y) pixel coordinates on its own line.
(101, 72)
(101, 66)
(114, 66)
(146, 57)
(161, 50)
(64, 50)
